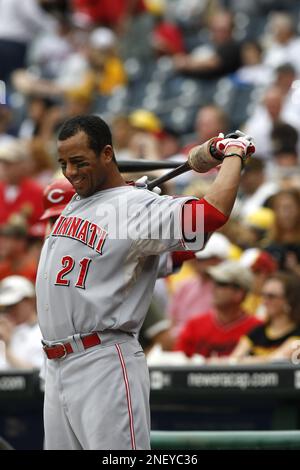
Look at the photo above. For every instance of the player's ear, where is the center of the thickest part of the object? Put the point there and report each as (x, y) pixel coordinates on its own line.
(107, 154)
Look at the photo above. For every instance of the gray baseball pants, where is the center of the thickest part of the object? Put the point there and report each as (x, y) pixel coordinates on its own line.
(98, 398)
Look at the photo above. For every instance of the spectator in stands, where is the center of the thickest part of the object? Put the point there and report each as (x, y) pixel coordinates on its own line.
(167, 39)
(220, 57)
(262, 265)
(99, 71)
(111, 13)
(253, 71)
(122, 131)
(15, 256)
(43, 165)
(280, 104)
(20, 22)
(216, 332)
(274, 339)
(169, 144)
(141, 135)
(19, 330)
(286, 81)
(284, 143)
(19, 194)
(266, 114)
(146, 121)
(75, 102)
(106, 69)
(144, 141)
(254, 189)
(49, 51)
(190, 13)
(284, 43)
(287, 169)
(254, 229)
(209, 120)
(285, 75)
(285, 162)
(194, 296)
(37, 109)
(284, 242)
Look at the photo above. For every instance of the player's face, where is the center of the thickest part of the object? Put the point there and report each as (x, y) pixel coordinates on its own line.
(87, 172)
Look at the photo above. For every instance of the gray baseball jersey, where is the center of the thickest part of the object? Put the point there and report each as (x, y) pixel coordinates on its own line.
(90, 280)
(96, 273)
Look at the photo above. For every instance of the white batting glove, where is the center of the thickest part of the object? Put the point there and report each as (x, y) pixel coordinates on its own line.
(227, 146)
(142, 183)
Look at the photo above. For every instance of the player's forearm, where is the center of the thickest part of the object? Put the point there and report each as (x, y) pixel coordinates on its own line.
(223, 191)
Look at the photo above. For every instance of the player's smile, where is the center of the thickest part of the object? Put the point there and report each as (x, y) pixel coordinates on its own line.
(77, 183)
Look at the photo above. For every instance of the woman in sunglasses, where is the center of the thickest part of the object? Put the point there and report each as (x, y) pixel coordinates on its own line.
(279, 336)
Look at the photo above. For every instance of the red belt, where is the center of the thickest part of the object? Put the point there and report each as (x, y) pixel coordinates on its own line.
(61, 350)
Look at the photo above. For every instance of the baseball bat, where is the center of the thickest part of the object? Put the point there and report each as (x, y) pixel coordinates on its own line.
(183, 168)
(145, 165)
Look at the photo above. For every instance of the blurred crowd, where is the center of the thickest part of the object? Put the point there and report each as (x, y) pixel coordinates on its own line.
(166, 75)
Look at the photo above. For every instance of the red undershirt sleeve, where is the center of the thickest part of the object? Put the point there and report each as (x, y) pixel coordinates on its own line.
(202, 218)
(213, 218)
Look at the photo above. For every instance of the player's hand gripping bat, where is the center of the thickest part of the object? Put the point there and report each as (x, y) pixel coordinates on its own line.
(206, 156)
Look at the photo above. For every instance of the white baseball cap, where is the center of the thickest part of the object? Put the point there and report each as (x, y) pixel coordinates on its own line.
(217, 246)
(232, 272)
(13, 289)
(13, 151)
(102, 38)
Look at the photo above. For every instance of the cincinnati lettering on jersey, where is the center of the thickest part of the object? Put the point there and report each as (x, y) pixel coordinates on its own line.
(81, 230)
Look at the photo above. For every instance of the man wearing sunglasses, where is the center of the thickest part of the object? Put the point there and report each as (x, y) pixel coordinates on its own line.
(217, 332)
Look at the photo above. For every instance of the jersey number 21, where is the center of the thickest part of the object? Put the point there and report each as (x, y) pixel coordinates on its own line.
(68, 264)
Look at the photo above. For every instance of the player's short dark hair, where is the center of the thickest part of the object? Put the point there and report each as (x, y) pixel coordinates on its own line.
(97, 131)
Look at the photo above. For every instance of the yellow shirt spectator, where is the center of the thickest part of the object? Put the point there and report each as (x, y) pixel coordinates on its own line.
(101, 82)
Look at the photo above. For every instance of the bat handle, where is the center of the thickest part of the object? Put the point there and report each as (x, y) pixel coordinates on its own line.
(171, 174)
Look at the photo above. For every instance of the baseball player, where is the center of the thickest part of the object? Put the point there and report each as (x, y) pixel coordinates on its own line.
(95, 281)
(58, 194)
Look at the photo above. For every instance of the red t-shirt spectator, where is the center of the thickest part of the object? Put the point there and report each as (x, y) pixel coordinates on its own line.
(26, 267)
(205, 335)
